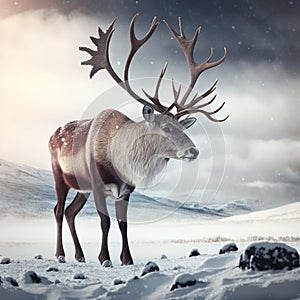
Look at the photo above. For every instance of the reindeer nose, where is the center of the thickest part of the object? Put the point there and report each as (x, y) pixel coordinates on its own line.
(194, 151)
(191, 153)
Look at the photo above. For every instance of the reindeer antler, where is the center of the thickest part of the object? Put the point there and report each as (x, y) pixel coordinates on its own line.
(187, 47)
(100, 60)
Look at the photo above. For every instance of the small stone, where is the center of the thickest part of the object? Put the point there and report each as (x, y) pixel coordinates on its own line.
(52, 269)
(79, 276)
(183, 280)
(118, 281)
(31, 277)
(38, 256)
(163, 256)
(12, 281)
(149, 267)
(229, 247)
(5, 261)
(194, 252)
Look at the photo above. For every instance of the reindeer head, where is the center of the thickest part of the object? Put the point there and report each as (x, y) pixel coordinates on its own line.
(165, 123)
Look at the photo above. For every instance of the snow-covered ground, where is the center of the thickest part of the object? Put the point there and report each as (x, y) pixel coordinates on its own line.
(27, 228)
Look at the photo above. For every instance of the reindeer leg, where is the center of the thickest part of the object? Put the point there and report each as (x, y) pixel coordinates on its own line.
(61, 190)
(100, 201)
(121, 214)
(71, 211)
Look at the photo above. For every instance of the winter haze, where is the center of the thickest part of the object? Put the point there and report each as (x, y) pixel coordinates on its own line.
(254, 154)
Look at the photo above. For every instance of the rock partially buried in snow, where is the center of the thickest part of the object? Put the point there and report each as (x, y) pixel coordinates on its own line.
(194, 252)
(79, 276)
(31, 277)
(183, 280)
(118, 281)
(263, 256)
(5, 261)
(12, 281)
(52, 269)
(163, 256)
(149, 267)
(229, 247)
(38, 256)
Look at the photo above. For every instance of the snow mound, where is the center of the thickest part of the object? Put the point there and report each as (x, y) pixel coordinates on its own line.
(263, 256)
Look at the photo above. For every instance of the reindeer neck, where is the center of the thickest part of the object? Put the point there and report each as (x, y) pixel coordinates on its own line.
(135, 154)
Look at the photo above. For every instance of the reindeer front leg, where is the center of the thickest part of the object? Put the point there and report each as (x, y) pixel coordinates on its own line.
(121, 214)
(100, 201)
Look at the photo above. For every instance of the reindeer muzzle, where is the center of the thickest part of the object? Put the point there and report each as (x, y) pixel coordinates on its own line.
(189, 154)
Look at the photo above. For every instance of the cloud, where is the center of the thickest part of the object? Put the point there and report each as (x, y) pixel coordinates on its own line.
(42, 83)
(43, 86)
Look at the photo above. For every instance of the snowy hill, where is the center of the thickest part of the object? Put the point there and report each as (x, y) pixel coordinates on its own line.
(29, 191)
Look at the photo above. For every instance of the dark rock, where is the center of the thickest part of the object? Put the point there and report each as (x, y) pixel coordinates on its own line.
(118, 281)
(79, 276)
(163, 256)
(52, 269)
(5, 261)
(183, 280)
(31, 277)
(12, 281)
(149, 267)
(230, 247)
(38, 256)
(263, 256)
(194, 252)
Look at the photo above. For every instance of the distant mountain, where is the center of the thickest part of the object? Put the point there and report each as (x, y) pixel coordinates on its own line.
(29, 192)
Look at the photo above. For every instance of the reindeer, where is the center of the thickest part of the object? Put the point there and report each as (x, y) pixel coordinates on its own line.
(111, 154)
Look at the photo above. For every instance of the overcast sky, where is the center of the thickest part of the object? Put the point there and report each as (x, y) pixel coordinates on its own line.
(255, 153)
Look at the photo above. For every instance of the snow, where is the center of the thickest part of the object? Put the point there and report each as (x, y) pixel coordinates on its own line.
(27, 239)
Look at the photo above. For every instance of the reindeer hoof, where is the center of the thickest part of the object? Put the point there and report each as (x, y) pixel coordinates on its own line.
(61, 259)
(107, 264)
(81, 259)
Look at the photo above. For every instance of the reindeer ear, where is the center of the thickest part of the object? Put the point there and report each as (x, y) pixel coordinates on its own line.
(188, 122)
(148, 113)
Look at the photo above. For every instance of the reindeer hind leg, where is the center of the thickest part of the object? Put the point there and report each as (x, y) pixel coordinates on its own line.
(71, 212)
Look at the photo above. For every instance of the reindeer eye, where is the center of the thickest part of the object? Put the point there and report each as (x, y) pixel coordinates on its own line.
(167, 129)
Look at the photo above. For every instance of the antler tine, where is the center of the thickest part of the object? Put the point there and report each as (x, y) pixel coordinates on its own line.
(100, 57)
(206, 113)
(176, 93)
(197, 98)
(188, 51)
(155, 98)
(136, 44)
